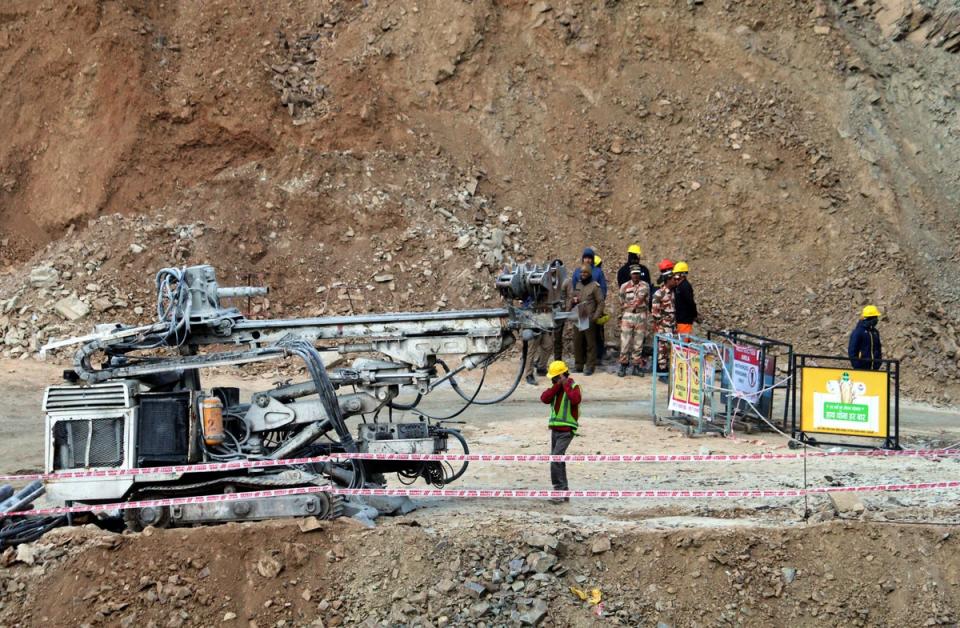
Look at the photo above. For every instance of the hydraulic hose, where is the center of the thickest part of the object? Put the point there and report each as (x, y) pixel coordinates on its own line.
(466, 450)
(328, 397)
(28, 529)
(325, 390)
(405, 406)
(469, 403)
(173, 304)
(490, 402)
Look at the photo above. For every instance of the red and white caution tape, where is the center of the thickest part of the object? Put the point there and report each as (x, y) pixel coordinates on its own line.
(495, 493)
(641, 494)
(879, 453)
(501, 458)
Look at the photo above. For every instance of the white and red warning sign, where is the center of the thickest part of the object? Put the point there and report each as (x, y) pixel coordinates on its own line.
(686, 386)
(746, 373)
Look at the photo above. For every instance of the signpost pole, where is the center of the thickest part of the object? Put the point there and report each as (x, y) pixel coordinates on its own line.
(896, 410)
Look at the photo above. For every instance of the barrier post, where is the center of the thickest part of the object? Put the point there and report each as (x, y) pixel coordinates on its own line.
(654, 371)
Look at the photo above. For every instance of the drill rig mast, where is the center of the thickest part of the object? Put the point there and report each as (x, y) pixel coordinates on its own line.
(135, 398)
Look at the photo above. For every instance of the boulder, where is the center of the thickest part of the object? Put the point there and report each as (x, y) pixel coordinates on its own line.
(44, 277)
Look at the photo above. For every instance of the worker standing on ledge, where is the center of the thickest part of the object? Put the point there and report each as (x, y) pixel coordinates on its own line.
(634, 298)
(864, 349)
(587, 295)
(633, 259)
(591, 258)
(602, 322)
(564, 398)
(566, 304)
(663, 314)
(683, 297)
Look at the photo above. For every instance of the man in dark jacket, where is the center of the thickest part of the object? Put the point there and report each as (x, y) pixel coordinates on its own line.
(590, 301)
(591, 258)
(685, 303)
(864, 349)
(633, 259)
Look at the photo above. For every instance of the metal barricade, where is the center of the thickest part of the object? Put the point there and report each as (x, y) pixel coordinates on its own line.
(693, 385)
(755, 401)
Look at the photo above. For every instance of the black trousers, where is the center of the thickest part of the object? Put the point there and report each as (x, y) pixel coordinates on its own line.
(559, 441)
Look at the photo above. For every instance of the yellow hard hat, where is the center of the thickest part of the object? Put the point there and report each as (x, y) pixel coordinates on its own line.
(597, 260)
(680, 267)
(870, 311)
(634, 249)
(557, 367)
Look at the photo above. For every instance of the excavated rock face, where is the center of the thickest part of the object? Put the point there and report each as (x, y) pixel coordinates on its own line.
(486, 571)
(801, 157)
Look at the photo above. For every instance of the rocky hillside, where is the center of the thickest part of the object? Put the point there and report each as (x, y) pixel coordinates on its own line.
(391, 155)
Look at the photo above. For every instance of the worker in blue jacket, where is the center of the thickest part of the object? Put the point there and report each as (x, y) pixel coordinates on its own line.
(864, 349)
(589, 257)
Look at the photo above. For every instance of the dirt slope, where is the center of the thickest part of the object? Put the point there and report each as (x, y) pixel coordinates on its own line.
(799, 155)
(473, 573)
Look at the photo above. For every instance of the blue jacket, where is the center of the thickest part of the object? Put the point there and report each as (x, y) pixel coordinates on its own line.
(597, 273)
(864, 349)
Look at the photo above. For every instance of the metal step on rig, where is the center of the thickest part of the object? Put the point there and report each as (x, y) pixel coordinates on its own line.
(135, 397)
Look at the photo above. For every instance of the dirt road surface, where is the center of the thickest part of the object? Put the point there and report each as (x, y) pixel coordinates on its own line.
(616, 420)
(487, 562)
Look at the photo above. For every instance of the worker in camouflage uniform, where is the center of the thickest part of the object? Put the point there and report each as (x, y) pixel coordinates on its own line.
(663, 312)
(634, 296)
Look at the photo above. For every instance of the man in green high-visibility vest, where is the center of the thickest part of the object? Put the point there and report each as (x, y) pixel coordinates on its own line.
(564, 398)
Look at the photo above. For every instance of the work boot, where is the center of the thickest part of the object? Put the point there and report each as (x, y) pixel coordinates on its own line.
(531, 379)
(588, 371)
(637, 370)
(578, 368)
(559, 500)
(541, 371)
(622, 371)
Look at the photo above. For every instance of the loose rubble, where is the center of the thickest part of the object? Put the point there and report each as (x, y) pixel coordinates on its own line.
(482, 574)
(350, 162)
